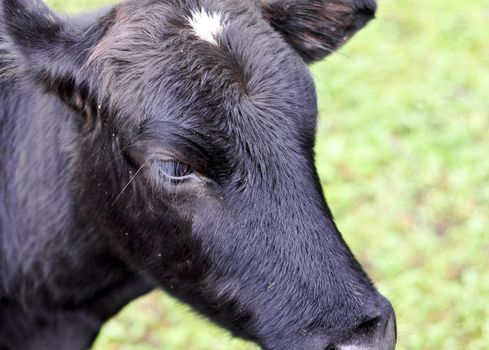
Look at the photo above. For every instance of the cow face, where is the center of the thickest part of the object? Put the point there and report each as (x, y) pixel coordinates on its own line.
(194, 155)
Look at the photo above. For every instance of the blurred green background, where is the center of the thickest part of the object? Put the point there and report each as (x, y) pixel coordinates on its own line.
(403, 153)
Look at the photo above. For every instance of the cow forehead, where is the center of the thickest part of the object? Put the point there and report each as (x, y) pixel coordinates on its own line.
(206, 62)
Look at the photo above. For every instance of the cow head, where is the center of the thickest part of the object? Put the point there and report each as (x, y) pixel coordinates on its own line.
(194, 154)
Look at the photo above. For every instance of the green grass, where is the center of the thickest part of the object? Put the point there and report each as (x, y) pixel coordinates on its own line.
(403, 153)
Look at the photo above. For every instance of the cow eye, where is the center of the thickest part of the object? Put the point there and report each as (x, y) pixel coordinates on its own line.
(174, 170)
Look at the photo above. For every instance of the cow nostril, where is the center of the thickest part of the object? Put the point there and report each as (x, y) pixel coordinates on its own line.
(331, 347)
(369, 327)
(378, 332)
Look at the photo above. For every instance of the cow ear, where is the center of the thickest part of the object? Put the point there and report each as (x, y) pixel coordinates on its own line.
(49, 50)
(41, 41)
(316, 28)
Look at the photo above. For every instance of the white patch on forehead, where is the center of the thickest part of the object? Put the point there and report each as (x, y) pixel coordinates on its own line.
(207, 26)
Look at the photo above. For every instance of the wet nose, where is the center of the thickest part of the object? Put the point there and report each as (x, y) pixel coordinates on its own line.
(376, 332)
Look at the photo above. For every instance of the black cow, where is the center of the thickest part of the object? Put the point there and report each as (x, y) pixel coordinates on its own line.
(170, 143)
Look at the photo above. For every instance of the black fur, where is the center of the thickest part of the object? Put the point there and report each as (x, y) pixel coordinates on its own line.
(90, 113)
